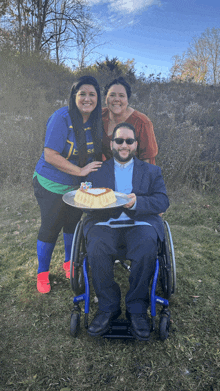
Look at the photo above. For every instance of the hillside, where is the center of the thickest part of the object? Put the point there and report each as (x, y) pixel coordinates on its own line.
(186, 119)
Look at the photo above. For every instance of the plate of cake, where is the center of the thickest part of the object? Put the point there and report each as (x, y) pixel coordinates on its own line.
(95, 198)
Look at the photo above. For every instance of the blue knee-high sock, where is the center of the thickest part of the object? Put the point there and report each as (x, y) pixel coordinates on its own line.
(68, 238)
(44, 253)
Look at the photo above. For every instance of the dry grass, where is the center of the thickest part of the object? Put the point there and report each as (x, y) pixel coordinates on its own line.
(37, 351)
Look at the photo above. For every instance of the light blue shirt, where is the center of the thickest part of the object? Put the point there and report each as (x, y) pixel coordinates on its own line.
(123, 184)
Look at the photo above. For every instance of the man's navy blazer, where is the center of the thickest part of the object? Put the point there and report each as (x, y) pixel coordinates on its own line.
(149, 187)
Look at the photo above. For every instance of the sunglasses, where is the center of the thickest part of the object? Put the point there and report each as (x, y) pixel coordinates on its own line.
(129, 141)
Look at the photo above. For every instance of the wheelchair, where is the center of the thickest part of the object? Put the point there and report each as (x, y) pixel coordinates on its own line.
(165, 272)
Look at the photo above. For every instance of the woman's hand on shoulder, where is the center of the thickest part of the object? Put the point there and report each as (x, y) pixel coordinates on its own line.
(94, 166)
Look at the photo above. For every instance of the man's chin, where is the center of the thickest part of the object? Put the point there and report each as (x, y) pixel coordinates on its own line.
(120, 158)
(123, 159)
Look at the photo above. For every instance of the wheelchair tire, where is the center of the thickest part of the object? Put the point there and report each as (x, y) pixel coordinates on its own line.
(75, 324)
(76, 264)
(167, 264)
(170, 250)
(164, 325)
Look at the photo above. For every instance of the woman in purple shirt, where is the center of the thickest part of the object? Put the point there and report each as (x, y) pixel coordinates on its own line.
(72, 149)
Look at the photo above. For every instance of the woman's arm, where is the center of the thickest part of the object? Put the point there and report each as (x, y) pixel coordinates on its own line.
(147, 144)
(53, 157)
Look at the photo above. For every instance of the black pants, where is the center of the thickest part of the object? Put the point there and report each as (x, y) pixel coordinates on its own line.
(141, 248)
(55, 214)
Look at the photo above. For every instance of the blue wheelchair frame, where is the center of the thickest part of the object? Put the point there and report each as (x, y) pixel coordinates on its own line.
(120, 327)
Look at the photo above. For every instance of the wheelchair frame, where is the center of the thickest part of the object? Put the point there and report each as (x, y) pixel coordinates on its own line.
(120, 328)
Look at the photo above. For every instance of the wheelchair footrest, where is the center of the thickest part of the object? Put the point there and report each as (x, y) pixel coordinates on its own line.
(119, 328)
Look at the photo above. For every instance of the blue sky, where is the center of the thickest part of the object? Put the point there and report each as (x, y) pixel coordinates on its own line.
(152, 31)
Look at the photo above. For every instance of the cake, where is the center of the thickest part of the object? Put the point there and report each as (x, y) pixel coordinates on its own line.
(95, 197)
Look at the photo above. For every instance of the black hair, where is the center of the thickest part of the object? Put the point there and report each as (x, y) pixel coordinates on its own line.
(95, 118)
(119, 80)
(123, 125)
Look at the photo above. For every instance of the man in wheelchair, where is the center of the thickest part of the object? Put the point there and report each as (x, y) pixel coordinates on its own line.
(137, 226)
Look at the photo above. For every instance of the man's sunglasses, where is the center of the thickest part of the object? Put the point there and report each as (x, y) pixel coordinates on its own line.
(129, 141)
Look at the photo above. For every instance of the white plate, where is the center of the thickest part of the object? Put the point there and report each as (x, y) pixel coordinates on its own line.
(121, 199)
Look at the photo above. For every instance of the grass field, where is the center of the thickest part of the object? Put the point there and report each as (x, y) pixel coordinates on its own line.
(37, 351)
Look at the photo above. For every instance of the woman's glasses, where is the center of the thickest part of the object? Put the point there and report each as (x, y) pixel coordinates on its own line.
(119, 140)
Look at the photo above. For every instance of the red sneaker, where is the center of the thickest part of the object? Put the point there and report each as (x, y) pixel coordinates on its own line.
(43, 283)
(66, 267)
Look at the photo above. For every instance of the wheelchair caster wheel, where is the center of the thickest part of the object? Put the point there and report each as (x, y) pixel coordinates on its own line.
(75, 324)
(164, 325)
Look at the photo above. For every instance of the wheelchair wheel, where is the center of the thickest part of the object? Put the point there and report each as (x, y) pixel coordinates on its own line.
(75, 323)
(76, 264)
(167, 264)
(164, 324)
(170, 249)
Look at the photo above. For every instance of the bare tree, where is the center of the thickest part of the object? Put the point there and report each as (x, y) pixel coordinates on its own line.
(87, 43)
(45, 25)
(3, 7)
(63, 25)
(187, 68)
(201, 62)
(59, 26)
(26, 20)
(208, 46)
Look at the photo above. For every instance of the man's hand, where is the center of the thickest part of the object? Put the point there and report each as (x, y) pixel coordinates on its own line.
(132, 202)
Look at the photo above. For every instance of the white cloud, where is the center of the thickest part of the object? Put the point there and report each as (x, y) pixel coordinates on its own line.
(119, 13)
(126, 6)
(130, 6)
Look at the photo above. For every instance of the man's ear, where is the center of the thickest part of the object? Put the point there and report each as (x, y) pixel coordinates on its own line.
(111, 143)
